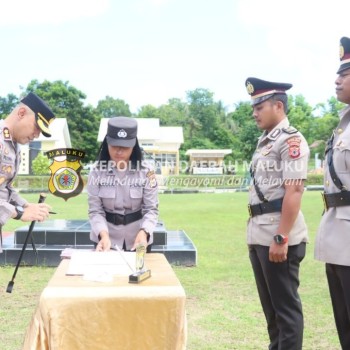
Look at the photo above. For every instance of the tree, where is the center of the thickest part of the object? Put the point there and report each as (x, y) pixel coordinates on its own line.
(148, 111)
(175, 113)
(68, 102)
(7, 104)
(327, 121)
(111, 107)
(300, 116)
(246, 132)
(203, 109)
(40, 165)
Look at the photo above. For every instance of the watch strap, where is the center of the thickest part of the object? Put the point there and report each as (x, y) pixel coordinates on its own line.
(20, 211)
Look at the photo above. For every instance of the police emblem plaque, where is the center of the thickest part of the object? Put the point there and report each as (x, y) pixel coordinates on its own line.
(65, 180)
(141, 273)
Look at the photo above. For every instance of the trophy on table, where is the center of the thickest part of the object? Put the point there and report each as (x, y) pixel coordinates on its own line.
(141, 272)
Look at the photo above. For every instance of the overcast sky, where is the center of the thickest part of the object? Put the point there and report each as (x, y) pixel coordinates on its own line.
(147, 51)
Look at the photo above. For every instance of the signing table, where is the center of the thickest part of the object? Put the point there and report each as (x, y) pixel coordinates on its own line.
(77, 314)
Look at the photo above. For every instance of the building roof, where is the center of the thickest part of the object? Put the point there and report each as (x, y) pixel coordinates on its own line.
(208, 152)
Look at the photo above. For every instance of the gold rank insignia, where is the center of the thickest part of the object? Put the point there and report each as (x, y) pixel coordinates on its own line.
(152, 179)
(2, 179)
(266, 149)
(6, 133)
(6, 169)
(250, 88)
(340, 130)
(341, 51)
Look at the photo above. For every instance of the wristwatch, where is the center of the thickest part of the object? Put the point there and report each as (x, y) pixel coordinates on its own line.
(280, 239)
(20, 211)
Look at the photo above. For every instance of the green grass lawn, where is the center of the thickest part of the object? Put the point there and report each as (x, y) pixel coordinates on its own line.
(223, 308)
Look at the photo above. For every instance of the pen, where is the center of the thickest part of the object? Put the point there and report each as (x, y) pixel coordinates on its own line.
(123, 257)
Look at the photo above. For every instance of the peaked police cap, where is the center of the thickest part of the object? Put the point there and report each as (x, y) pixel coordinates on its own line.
(261, 90)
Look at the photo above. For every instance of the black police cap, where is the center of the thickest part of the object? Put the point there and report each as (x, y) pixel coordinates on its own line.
(261, 90)
(344, 54)
(43, 114)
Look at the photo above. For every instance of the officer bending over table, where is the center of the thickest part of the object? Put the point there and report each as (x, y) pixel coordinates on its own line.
(122, 191)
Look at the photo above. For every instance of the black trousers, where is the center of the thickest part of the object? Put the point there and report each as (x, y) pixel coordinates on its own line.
(277, 285)
(338, 277)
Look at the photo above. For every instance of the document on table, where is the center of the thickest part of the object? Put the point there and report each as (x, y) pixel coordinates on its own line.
(92, 263)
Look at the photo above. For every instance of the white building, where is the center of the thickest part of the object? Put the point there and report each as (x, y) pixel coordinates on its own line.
(207, 161)
(60, 138)
(162, 143)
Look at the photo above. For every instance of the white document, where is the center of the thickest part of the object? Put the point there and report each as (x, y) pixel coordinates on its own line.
(92, 263)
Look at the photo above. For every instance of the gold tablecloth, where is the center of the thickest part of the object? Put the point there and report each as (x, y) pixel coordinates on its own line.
(76, 314)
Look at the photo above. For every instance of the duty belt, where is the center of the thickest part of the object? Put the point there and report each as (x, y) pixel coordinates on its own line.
(118, 219)
(338, 199)
(265, 207)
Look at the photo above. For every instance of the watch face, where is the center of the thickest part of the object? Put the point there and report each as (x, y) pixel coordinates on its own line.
(279, 239)
(20, 210)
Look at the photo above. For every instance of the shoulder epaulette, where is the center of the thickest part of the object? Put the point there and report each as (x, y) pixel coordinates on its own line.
(290, 130)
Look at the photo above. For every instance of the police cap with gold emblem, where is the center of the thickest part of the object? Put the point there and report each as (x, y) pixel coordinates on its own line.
(261, 90)
(344, 53)
(43, 114)
(122, 131)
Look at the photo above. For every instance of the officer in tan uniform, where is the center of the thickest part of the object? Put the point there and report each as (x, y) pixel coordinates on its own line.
(122, 191)
(333, 237)
(276, 232)
(31, 117)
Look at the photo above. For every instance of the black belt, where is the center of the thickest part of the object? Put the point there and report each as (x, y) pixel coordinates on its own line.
(338, 199)
(265, 207)
(118, 219)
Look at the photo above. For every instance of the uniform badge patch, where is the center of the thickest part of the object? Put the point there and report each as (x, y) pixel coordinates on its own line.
(152, 179)
(6, 133)
(65, 180)
(294, 147)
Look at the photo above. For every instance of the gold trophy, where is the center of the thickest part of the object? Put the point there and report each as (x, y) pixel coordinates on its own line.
(141, 272)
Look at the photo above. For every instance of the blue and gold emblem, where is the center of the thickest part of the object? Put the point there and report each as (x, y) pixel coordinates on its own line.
(65, 180)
